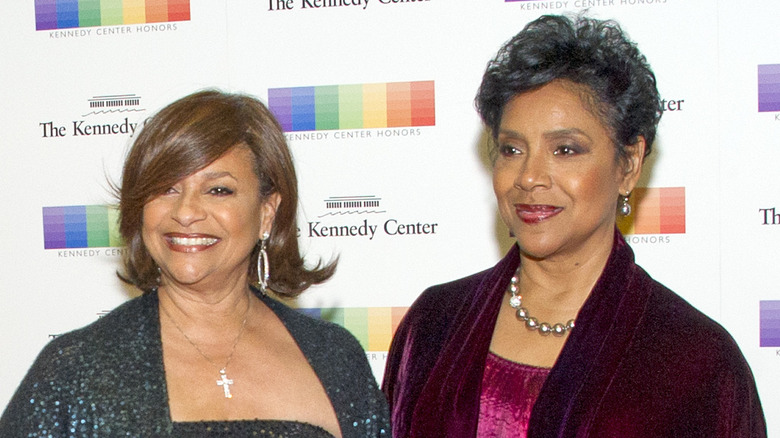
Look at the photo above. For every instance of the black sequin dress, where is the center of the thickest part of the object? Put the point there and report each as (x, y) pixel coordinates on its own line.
(107, 379)
(259, 428)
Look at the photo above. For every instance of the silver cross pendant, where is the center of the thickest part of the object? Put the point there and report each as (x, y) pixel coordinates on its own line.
(225, 383)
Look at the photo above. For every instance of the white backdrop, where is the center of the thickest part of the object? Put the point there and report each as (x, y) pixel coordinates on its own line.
(712, 170)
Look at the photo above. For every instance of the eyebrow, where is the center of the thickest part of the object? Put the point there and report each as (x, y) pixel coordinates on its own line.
(566, 132)
(218, 174)
(549, 134)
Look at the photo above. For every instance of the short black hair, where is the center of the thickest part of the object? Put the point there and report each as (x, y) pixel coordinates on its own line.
(597, 54)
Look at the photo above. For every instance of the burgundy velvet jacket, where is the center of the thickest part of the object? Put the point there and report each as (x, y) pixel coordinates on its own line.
(641, 362)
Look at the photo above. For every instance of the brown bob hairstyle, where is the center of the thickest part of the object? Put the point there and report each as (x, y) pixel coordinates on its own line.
(188, 135)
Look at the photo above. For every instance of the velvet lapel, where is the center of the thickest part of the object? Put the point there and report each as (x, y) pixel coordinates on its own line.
(449, 402)
(605, 328)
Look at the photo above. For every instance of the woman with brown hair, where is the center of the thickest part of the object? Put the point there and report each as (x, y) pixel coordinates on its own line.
(208, 205)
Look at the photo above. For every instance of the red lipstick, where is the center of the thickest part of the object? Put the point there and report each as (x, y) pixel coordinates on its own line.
(535, 213)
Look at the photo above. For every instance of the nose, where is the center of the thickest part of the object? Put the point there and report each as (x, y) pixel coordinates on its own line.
(533, 173)
(188, 209)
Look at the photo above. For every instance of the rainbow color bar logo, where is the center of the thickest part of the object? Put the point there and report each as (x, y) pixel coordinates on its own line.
(67, 14)
(372, 326)
(386, 105)
(769, 312)
(655, 211)
(81, 226)
(769, 87)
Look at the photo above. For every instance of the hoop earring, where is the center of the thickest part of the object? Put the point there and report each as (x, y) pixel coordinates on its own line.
(625, 207)
(263, 272)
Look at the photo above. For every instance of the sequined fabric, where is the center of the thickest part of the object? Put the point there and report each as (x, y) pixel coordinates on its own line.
(107, 379)
(509, 390)
(259, 428)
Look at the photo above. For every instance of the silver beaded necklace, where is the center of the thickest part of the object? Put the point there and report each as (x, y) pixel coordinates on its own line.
(223, 381)
(531, 323)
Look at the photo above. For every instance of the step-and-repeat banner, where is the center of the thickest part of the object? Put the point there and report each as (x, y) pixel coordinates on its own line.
(375, 97)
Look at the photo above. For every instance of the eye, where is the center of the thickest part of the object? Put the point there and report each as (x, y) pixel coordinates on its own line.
(566, 150)
(220, 191)
(508, 150)
(170, 191)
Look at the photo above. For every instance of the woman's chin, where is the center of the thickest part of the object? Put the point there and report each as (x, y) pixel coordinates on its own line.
(535, 243)
(546, 246)
(186, 279)
(536, 254)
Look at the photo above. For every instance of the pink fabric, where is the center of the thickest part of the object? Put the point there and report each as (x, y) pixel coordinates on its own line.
(509, 390)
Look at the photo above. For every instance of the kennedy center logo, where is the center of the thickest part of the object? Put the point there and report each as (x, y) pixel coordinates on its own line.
(358, 106)
(80, 226)
(770, 323)
(372, 326)
(338, 221)
(110, 110)
(655, 211)
(68, 14)
(769, 88)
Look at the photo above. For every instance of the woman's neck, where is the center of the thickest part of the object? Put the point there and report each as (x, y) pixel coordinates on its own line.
(224, 307)
(565, 281)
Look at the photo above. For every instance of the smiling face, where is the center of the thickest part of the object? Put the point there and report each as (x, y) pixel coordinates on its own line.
(202, 230)
(557, 177)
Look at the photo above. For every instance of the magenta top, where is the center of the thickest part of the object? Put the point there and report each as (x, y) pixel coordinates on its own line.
(509, 391)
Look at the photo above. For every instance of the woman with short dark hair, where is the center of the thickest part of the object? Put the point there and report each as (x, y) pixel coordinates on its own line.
(566, 336)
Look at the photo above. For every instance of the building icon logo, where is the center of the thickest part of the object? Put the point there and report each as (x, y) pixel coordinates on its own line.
(347, 205)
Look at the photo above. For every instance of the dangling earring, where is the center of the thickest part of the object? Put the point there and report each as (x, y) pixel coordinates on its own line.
(625, 207)
(263, 273)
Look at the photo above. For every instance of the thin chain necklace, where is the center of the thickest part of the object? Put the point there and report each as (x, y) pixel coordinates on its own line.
(223, 381)
(531, 323)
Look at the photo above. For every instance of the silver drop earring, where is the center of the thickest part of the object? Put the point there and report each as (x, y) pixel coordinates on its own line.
(263, 272)
(625, 207)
